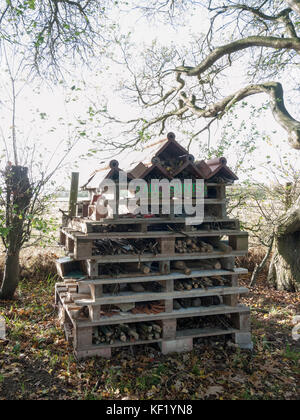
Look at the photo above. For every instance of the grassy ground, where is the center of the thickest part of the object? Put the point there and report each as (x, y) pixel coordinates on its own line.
(37, 363)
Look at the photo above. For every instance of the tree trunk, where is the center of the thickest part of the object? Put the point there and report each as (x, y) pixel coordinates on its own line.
(284, 271)
(18, 196)
(11, 276)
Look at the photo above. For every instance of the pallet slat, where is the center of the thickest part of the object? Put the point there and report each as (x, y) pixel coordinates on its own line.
(182, 313)
(159, 277)
(126, 297)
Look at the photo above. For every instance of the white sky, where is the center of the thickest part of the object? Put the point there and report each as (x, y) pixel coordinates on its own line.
(52, 102)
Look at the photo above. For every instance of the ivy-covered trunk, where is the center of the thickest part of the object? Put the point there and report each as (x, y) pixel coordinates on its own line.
(18, 196)
(284, 271)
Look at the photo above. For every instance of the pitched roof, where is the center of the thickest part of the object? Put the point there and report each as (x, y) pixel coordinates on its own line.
(218, 167)
(154, 159)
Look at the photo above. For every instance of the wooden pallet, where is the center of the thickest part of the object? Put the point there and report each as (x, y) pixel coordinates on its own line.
(171, 339)
(82, 289)
(80, 245)
(142, 224)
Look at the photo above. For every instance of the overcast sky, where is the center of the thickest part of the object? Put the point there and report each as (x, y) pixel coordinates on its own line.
(44, 117)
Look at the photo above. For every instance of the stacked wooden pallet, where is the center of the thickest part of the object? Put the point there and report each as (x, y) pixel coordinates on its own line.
(138, 280)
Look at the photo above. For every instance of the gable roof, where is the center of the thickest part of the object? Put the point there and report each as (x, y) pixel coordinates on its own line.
(218, 166)
(156, 162)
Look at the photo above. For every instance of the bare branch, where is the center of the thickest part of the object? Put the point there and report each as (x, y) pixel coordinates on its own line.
(295, 5)
(241, 44)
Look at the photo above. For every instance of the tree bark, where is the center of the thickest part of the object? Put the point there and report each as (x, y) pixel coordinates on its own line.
(284, 271)
(18, 196)
(295, 5)
(11, 276)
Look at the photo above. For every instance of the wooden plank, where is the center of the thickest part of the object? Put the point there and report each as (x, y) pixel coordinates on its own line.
(103, 259)
(117, 344)
(182, 313)
(204, 332)
(85, 225)
(154, 234)
(158, 277)
(126, 297)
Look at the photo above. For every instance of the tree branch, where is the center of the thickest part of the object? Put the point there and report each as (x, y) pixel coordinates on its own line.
(295, 5)
(291, 222)
(241, 44)
(217, 110)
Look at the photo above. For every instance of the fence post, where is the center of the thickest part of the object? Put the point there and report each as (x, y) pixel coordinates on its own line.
(73, 194)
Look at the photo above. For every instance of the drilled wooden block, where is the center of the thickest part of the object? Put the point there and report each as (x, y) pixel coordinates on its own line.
(234, 280)
(83, 337)
(169, 328)
(230, 300)
(83, 249)
(176, 346)
(167, 246)
(169, 305)
(242, 321)
(239, 243)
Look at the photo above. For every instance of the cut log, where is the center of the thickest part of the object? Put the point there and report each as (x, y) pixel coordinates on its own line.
(180, 265)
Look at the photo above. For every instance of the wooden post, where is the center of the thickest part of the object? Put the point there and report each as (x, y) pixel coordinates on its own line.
(73, 194)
